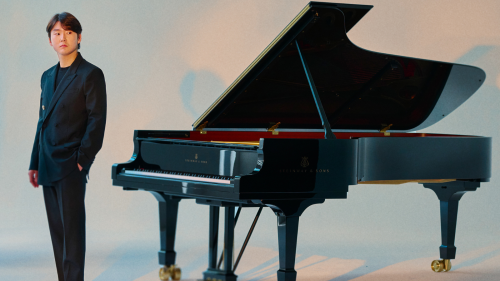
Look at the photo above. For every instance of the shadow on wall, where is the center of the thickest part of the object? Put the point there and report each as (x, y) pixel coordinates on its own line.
(199, 89)
(487, 57)
(475, 54)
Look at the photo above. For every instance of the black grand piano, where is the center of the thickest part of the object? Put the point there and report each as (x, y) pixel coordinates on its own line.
(312, 115)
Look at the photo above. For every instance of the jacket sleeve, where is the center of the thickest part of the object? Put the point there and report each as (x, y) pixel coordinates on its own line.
(95, 101)
(34, 151)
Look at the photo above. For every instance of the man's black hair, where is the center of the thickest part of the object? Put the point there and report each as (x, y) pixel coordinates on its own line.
(68, 22)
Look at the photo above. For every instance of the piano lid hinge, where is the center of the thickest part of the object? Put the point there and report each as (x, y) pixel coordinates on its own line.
(384, 129)
(201, 127)
(273, 128)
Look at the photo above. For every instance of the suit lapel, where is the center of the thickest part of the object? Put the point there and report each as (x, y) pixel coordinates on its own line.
(66, 80)
(50, 84)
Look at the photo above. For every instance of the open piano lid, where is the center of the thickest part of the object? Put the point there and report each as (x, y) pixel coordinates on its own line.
(359, 89)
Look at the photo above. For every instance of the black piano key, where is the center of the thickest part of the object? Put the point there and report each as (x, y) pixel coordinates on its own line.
(182, 174)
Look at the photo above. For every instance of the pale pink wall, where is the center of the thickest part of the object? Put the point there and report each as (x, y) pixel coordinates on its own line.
(148, 49)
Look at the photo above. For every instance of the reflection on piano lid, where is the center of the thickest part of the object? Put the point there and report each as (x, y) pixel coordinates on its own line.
(359, 89)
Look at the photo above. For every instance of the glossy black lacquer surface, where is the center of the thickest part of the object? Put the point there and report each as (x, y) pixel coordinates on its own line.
(359, 89)
(352, 89)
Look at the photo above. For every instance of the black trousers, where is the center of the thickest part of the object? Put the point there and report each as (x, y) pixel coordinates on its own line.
(65, 206)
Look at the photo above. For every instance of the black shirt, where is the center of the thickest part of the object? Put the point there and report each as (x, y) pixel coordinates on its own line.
(61, 72)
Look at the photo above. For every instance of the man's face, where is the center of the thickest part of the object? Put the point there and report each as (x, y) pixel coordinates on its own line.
(63, 41)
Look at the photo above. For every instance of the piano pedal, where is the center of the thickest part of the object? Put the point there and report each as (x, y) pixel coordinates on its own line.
(167, 272)
(441, 265)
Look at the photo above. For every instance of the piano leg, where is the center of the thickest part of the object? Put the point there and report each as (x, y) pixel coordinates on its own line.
(213, 273)
(288, 228)
(213, 237)
(288, 213)
(449, 194)
(168, 208)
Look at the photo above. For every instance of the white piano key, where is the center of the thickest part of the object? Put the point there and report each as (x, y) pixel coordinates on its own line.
(178, 177)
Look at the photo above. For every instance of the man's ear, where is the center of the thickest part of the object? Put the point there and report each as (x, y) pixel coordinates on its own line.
(50, 42)
(79, 38)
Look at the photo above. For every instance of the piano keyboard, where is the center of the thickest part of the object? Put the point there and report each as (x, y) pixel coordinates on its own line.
(180, 176)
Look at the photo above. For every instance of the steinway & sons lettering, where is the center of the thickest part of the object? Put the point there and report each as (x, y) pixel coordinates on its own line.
(304, 170)
(196, 161)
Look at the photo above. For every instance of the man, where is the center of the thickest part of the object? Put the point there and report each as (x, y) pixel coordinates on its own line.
(69, 134)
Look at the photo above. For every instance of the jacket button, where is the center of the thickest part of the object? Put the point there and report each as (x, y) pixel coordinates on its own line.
(57, 125)
(53, 143)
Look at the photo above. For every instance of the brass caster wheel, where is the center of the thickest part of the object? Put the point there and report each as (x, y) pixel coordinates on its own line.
(447, 265)
(164, 273)
(437, 265)
(175, 272)
(441, 265)
(168, 272)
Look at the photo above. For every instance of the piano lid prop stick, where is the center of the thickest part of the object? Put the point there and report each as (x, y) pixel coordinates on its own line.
(324, 120)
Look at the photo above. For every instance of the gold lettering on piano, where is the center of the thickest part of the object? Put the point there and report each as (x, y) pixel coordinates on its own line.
(304, 171)
(196, 161)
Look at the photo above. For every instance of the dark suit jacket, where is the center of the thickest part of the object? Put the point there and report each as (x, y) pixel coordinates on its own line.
(71, 125)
